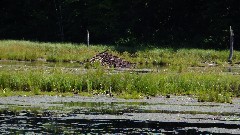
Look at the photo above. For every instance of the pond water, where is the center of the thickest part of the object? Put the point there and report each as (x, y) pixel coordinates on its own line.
(103, 115)
(75, 125)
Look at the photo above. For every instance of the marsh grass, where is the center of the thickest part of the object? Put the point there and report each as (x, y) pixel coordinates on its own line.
(9, 92)
(176, 59)
(207, 87)
(131, 95)
(179, 78)
(53, 52)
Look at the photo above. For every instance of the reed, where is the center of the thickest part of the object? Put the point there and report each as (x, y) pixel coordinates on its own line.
(207, 87)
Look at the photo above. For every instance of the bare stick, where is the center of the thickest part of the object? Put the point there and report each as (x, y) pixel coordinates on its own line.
(87, 38)
(231, 45)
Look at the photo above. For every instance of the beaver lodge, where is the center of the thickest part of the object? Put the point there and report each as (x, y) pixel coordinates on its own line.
(107, 59)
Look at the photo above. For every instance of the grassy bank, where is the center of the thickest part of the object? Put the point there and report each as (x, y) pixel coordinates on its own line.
(175, 76)
(53, 52)
(60, 52)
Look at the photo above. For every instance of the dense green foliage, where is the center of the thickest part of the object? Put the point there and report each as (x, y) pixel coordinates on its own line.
(182, 23)
(207, 87)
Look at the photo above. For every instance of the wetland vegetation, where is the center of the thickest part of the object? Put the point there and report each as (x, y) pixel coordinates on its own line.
(119, 67)
(196, 72)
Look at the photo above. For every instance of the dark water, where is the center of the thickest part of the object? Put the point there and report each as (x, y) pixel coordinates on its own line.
(99, 118)
(15, 124)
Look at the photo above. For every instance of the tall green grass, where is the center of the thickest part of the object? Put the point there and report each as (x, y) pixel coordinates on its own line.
(207, 87)
(65, 52)
(55, 52)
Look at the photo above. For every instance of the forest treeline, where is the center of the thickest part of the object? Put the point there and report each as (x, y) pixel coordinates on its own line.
(179, 23)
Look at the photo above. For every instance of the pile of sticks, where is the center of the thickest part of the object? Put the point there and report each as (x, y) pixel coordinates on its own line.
(107, 59)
